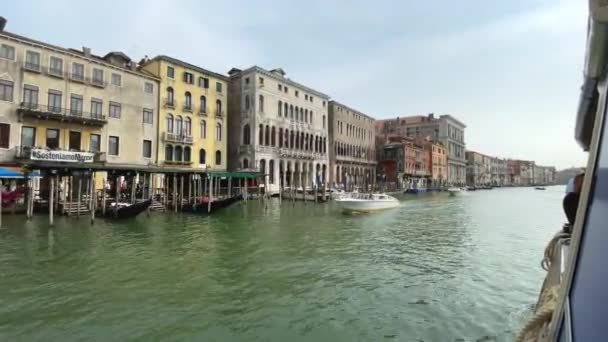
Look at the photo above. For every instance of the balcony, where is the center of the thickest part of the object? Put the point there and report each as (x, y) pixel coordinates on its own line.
(187, 107)
(77, 78)
(33, 67)
(178, 138)
(55, 72)
(98, 83)
(37, 111)
(248, 149)
(178, 162)
(169, 103)
(202, 111)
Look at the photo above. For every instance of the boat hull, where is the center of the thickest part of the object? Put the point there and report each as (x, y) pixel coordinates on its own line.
(128, 212)
(354, 205)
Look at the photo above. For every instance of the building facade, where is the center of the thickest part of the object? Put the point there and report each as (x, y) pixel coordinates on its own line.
(479, 169)
(352, 153)
(72, 107)
(438, 163)
(499, 172)
(192, 118)
(279, 127)
(405, 162)
(445, 129)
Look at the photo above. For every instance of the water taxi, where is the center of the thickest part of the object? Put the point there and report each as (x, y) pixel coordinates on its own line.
(367, 202)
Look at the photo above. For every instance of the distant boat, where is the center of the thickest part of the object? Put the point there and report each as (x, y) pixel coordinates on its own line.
(415, 190)
(540, 188)
(201, 206)
(367, 202)
(122, 211)
(454, 191)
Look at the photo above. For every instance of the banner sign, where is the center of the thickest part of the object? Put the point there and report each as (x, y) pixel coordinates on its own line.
(62, 156)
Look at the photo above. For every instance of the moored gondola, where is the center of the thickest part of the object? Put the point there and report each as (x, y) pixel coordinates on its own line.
(127, 211)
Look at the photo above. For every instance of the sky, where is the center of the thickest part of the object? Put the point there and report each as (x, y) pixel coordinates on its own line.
(510, 70)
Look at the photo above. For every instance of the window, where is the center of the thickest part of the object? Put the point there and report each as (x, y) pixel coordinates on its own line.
(6, 90)
(77, 71)
(203, 129)
(286, 90)
(56, 66)
(291, 111)
(169, 123)
(169, 99)
(188, 101)
(280, 108)
(94, 143)
(52, 138)
(286, 111)
(323, 104)
(76, 104)
(74, 141)
(28, 136)
(261, 101)
(218, 87)
(311, 99)
(30, 96)
(54, 101)
(170, 72)
(178, 153)
(187, 127)
(218, 132)
(179, 125)
(32, 60)
(148, 87)
(306, 97)
(261, 79)
(115, 109)
(98, 76)
(7, 52)
(218, 157)
(246, 102)
(116, 80)
(267, 136)
(245, 163)
(113, 145)
(188, 78)
(5, 133)
(187, 154)
(323, 121)
(273, 138)
(261, 134)
(297, 93)
(246, 135)
(147, 116)
(169, 152)
(147, 149)
(280, 87)
(218, 105)
(203, 82)
(96, 107)
(203, 104)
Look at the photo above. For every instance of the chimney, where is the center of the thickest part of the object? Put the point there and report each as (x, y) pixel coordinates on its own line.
(2, 23)
(86, 51)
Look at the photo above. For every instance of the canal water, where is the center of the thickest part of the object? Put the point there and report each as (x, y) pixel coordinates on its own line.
(439, 268)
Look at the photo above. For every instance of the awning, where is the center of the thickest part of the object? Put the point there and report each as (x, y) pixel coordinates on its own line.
(14, 172)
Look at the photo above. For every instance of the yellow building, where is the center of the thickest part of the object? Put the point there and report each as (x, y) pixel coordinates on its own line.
(192, 115)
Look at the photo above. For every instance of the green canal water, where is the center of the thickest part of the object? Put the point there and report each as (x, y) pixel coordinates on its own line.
(439, 268)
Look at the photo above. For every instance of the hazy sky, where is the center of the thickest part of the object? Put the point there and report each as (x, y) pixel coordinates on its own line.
(511, 70)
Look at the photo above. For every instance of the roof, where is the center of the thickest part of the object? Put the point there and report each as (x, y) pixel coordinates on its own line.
(334, 102)
(74, 52)
(278, 76)
(189, 66)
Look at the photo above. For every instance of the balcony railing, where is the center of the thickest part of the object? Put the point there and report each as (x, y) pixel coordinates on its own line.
(98, 82)
(35, 67)
(35, 110)
(178, 138)
(187, 107)
(56, 72)
(245, 148)
(77, 77)
(219, 113)
(169, 103)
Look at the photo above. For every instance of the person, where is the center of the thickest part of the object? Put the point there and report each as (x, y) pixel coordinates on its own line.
(571, 199)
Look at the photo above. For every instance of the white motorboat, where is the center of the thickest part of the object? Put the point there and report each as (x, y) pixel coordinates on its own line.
(367, 202)
(454, 191)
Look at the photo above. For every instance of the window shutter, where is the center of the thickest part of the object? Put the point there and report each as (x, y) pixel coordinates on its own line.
(5, 130)
(206, 81)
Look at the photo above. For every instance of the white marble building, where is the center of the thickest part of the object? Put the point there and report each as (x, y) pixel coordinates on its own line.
(277, 126)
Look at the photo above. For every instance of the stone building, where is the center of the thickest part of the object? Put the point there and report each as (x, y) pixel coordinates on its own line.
(405, 162)
(498, 172)
(352, 154)
(479, 169)
(445, 129)
(279, 127)
(60, 105)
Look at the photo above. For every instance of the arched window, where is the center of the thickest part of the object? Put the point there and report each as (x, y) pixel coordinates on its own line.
(169, 123)
(218, 132)
(261, 103)
(179, 122)
(203, 104)
(291, 111)
(187, 127)
(271, 171)
(311, 116)
(218, 106)
(202, 156)
(186, 154)
(188, 101)
(169, 152)
(245, 163)
(261, 135)
(218, 157)
(286, 141)
(323, 121)
(262, 166)
(203, 128)
(292, 140)
(301, 114)
(306, 115)
(280, 108)
(273, 137)
(297, 111)
(170, 97)
(280, 137)
(247, 102)
(267, 136)
(302, 137)
(178, 153)
(246, 135)
(286, 112)
(297, 140)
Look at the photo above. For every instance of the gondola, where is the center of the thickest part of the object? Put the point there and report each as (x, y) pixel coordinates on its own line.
(201, 206)
(128, 211)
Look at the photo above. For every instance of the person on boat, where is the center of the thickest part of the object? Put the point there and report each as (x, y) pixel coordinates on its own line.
(571, 199)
